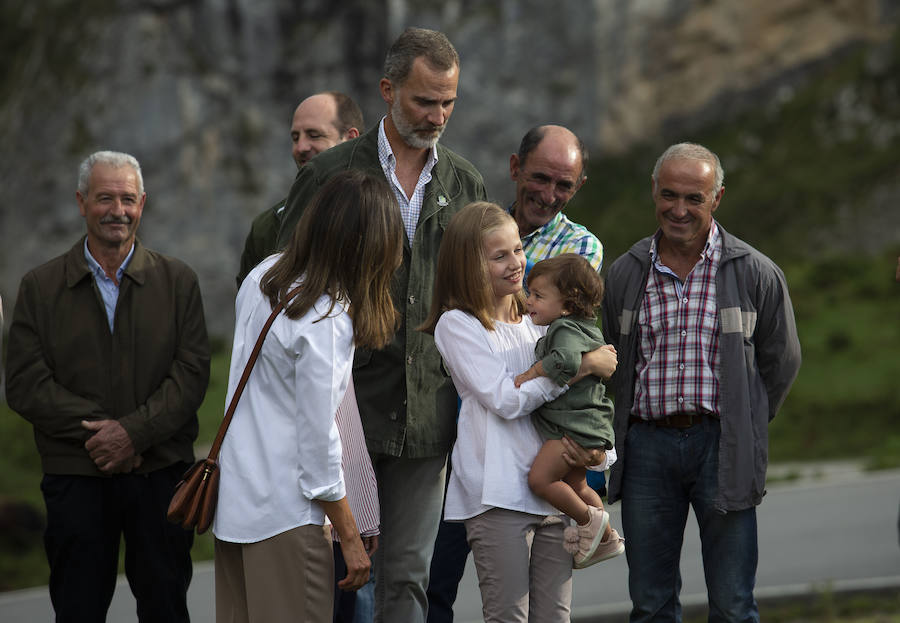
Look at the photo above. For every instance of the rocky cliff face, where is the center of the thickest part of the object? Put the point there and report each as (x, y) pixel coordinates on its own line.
(202, 93)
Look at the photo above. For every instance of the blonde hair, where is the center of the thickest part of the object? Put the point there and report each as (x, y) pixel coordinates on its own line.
(461, 280)
(347, 244)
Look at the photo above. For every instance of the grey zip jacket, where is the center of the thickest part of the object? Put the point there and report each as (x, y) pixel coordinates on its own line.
(760, 358)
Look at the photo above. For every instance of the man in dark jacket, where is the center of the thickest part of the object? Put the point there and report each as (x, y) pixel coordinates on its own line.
(408, 406)
(708, 350)
(320, 122)
(108, 359)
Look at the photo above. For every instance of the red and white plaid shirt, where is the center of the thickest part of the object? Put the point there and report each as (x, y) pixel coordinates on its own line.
(677, 368)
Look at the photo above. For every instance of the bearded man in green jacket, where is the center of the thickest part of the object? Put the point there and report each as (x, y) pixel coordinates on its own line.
(408, 406)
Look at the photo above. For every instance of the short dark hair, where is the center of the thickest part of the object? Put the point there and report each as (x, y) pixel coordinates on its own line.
(578, 283)
(416, 42)
(348, 113)
(533, 138)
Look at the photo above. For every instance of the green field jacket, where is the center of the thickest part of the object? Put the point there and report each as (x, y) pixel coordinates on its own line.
(759, 360)
(150, 373)
(406, 403)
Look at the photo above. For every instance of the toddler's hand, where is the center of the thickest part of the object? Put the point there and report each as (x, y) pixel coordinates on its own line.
(531, 373)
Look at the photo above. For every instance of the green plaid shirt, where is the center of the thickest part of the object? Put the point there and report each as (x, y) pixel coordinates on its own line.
(561, 235)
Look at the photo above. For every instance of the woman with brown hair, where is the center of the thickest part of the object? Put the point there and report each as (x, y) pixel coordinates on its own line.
(281, 460)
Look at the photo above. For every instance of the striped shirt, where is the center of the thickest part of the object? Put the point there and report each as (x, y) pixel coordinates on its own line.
(560, 235)
(359, 476)
(677, 368)
(410, 207)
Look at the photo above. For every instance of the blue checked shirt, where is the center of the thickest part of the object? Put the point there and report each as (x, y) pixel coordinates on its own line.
(677, 368)
(410, 207)
(561, 235)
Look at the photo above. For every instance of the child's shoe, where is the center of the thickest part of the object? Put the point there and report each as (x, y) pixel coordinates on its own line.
(583, 541)
(613, 546)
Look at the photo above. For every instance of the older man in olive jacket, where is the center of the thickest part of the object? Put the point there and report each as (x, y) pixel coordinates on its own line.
(108, 359)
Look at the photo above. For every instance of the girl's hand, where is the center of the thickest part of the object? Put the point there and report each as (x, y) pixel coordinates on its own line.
(577, 456)
(601, 362)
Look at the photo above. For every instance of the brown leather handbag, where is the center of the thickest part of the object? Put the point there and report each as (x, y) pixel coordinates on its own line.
(193, 504)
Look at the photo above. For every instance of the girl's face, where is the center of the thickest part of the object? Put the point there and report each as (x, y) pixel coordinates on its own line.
(544, 302)
(505, 260)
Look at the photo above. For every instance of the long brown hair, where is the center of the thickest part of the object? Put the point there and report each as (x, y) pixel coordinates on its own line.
(461, 280)
(347, 245)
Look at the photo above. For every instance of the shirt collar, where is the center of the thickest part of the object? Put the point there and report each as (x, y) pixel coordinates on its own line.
(549, 226)
(711, 250)
(98, 270)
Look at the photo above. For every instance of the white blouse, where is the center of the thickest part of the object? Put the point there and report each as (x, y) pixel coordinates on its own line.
(496, 441)
(282, 451)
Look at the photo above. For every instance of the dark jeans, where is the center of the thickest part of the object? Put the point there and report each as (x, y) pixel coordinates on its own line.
(668, 470)
(451, 549)
(87, 516)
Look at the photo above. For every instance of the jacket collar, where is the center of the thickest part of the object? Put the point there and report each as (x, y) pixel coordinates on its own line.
(77, 267)
(445, 185)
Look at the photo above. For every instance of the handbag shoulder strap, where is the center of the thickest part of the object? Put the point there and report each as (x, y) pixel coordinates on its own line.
(229, 413)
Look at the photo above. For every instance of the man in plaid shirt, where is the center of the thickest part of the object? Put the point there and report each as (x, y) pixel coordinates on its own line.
(708, 349)
(548, 170)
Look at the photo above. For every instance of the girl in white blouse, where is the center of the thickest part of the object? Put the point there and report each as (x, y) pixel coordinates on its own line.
(485, 340)
(281, 459)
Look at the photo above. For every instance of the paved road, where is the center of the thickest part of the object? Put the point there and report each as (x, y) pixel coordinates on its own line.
(835, 526)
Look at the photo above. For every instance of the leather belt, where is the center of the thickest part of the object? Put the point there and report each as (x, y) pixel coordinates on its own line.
(682, 420)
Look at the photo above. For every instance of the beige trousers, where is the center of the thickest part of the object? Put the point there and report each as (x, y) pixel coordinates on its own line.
(288, 577)
(524, 572)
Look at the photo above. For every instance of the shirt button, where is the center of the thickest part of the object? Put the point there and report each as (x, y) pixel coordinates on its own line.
(409, 359)
(684, 300)
(684, 334)
(680, 400)
(393, 416)
(681, 367)
(412, 300)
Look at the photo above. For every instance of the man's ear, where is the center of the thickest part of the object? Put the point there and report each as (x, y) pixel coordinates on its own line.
(387, 90)
(514, 167)
(352, 133)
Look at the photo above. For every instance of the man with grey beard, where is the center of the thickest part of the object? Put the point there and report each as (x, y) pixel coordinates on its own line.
(408, 406)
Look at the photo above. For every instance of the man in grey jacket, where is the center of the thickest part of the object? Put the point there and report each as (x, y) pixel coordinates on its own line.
(708, 350)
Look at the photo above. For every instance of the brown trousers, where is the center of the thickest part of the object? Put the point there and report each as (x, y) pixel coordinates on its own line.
(288, 577)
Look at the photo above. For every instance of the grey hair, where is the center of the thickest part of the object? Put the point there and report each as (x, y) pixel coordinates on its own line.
(692, 151)
(114, 159)
(416, 42)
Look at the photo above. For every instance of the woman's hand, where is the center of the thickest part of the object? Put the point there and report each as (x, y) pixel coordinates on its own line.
(355, 553)
(600, 362)
(358, 563)
(370, 543)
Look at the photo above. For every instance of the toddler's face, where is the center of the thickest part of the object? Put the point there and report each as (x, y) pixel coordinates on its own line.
(544, 302)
